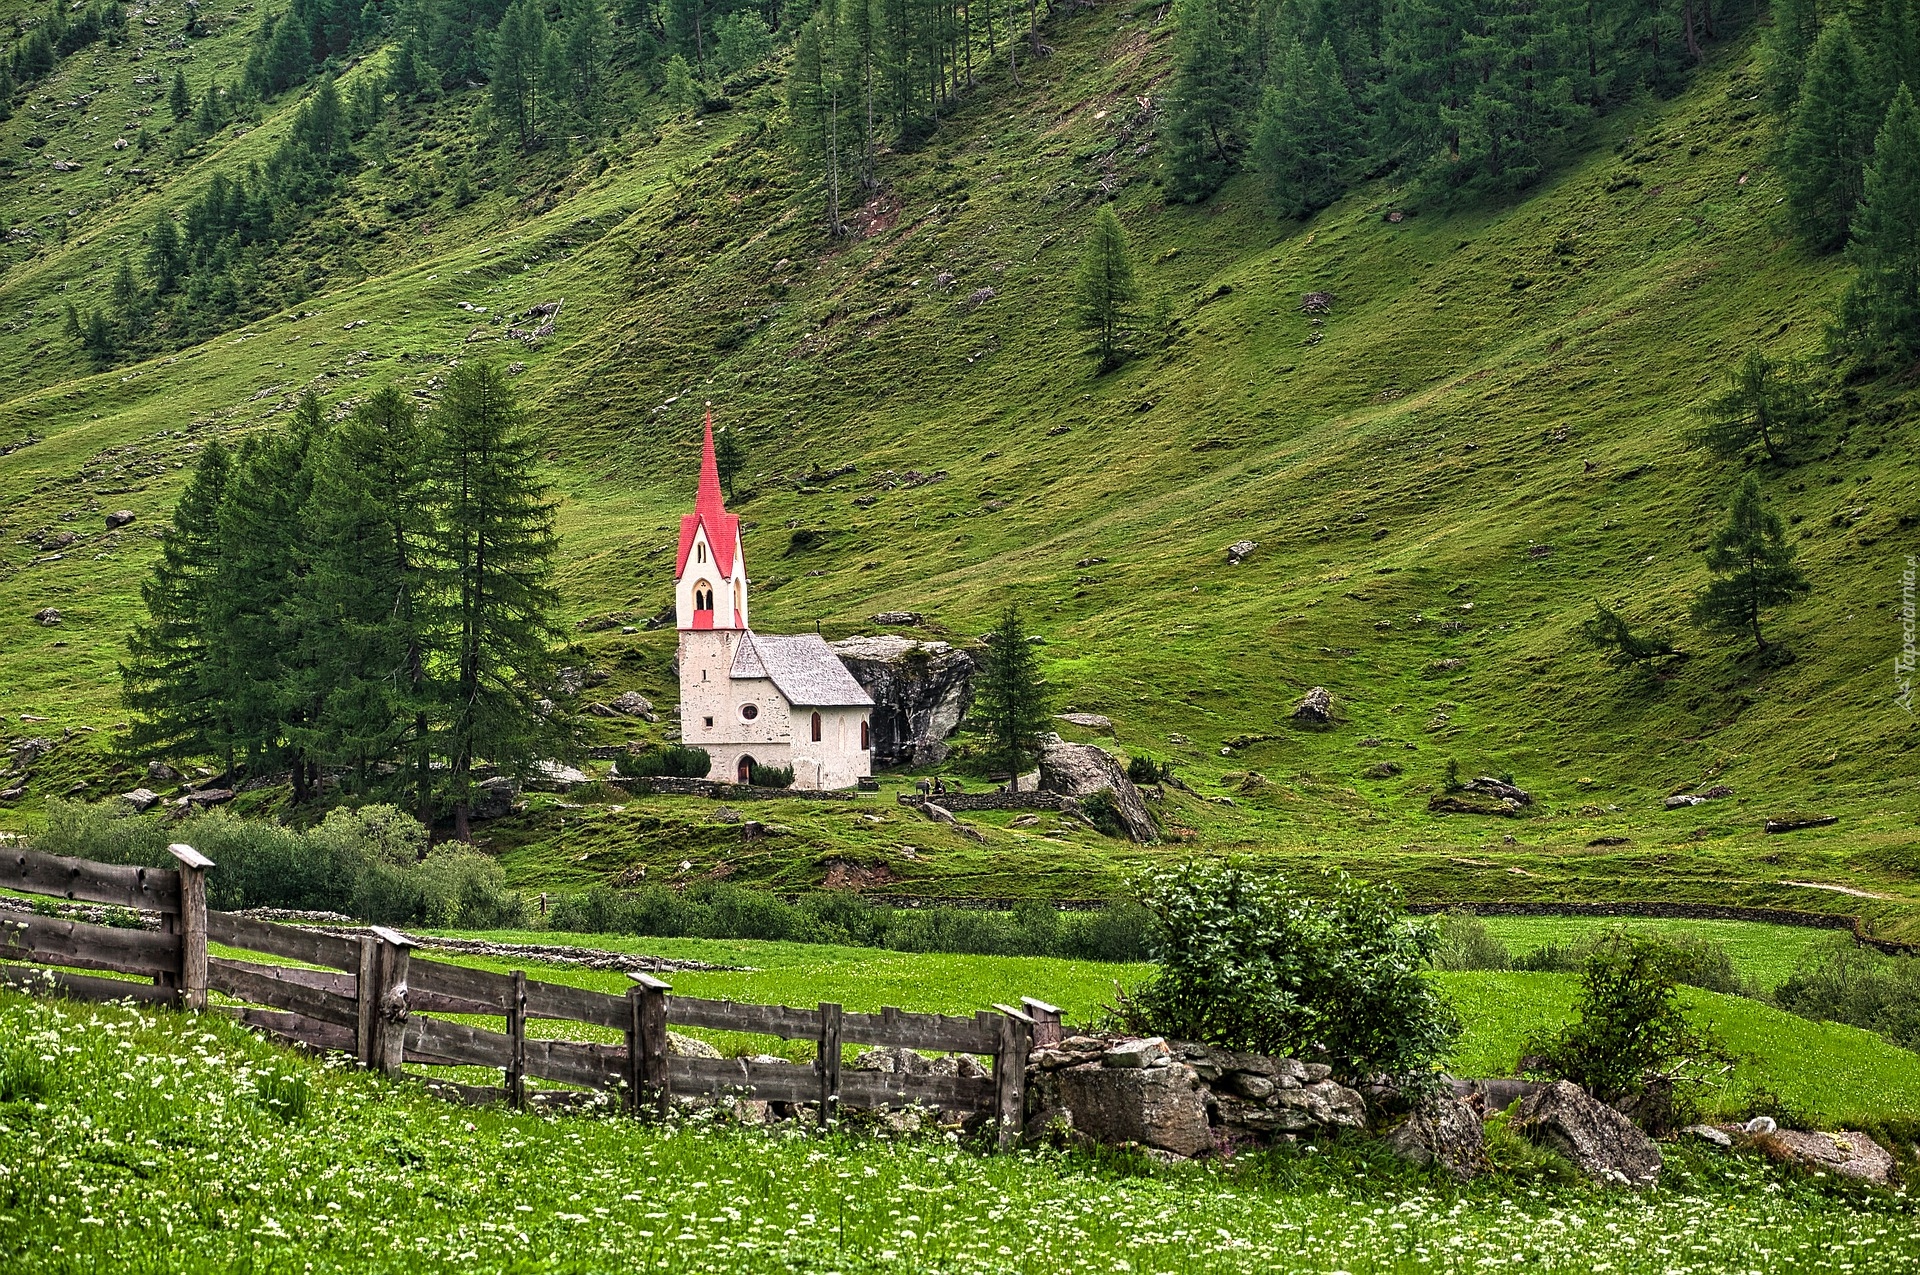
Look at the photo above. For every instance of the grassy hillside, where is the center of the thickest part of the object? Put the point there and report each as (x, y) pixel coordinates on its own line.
(1486, 436)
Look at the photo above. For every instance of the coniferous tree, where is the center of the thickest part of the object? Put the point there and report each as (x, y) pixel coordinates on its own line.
(1012, 700)
(1880, 315)
(211, 113)
(816, 105)
(1754, 567)
(1104, 286)
(164, 257)
(588, 42)
(1201, 131)
(681, 92)
(370, 601)
(1304, 138)
(174, 702)
(126, 295)
(98, 338)
(6, 91)
(1827, 144)
(179, 101)
(1609, 631)
(497, 545)
(1788, 43)
(1765, 406)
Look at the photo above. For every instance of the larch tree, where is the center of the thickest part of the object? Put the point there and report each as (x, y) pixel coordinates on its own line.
(1764, 406)
(1753, 568)
(1824, 154)
(1201, 138)
(1880, 314)
(496, 553)
(1012, 701)
(1104, 286)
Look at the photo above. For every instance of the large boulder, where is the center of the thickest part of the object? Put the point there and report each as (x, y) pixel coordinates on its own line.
(1080, 770)
(1849, 1154)
(494, 798)
(1601, 1143)
(920, 692)
(1444, 1131)
(1160, 1107)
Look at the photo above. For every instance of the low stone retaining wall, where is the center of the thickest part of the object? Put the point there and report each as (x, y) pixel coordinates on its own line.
(644, 785)
(961, 802)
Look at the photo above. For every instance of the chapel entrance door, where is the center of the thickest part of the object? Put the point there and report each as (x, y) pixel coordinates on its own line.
(746, 768)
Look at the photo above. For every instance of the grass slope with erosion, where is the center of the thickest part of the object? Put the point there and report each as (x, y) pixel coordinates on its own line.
(1486, 436)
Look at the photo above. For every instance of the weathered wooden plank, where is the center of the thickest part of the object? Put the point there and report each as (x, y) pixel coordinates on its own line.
(391, 1011)
(576, 1004)
(446, 1044)
(783, 1021)
(1010, 1075)
(653, 1081)
(572, 1062)
(827, 1060)
(41, 981)
(364, 976)
(293, 1028)
(292, 942)
(459, 982)
(1047, 1028)
(84, 881)
(516, 1070)
(897, 1089)
(941, 1032)
(769, 1081)
(54, 941)
(317, 994)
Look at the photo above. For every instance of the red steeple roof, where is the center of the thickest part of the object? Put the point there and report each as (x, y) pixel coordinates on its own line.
(710, 511)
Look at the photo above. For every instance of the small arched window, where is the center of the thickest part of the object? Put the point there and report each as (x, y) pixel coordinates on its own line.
(866, 741)
(703, 596)
(700, 552)
(816, 728)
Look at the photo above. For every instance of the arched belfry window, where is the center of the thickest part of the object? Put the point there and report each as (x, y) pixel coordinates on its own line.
(700, 552)
(703, 596)
(816, 728)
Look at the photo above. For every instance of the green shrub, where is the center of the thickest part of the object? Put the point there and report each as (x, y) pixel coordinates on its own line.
(1145, 770)
(464, 889)
(1693, 959)
(675, 761)
(1847, 983)
(1633, 1045)
(1248, 961)
(1466, 944)
(1104, 813)
(769, 776)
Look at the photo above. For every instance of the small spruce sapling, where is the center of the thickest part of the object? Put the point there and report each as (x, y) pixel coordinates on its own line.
(1105, 286)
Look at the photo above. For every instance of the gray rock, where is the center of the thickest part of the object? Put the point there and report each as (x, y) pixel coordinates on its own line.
(554, 776)
(1707, 1133)
(634, 704)
(494, 798)
(1488, 786)
(28, 751)
(119, 518)
(1443, 1131)
(1326, 1103)
(1080, 770)
(1088, 721)
(921, 691)
(1845, 1152)
(1761, 1124)
(1682, 800)
(569, 681)
(893, 1062)
(47, 617)
(1149, 1051)
(1601, 1143)
(141, 799)
(1239, 551)
(688, 1047)
(1160, 1107)
(1315, 708)
(12, 794)
(161, 773)
(209, 796)
(899, 619)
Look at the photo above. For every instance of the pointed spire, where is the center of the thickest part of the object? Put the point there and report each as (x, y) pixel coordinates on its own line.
(708, 504)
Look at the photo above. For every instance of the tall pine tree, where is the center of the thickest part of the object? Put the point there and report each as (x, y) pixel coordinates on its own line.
(497, 545)
(1305, 138)
(1880, 315)
(1012, 702)
(1753, 568)
(1824, 154)
(1104, 286)
(1201, 139)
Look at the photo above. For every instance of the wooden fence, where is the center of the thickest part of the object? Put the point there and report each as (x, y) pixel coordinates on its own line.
(372, 997)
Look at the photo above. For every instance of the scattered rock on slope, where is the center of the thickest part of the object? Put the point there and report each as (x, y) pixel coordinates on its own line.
(1315, 708)
(1080, 770)
(1601, 1143)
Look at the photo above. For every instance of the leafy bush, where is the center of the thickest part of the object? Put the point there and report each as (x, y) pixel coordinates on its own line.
(1466, 944)
(1248, 961)
(1632, 1045)
(370, 862)
(1103, 813)
(769, 776)
(720, 910)
(1693, 959)
(1847, 983)
(1145, 770)
(675, 761)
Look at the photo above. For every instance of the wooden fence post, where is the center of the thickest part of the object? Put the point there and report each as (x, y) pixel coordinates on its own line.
(1010, 1073)
(390, 1009)
(1047, 1031)
(517, 1036)
(366, 991)
(647, 1044)
(193, 924)
(828, 1062)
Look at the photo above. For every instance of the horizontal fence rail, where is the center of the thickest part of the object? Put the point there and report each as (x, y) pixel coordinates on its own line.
(374, 998)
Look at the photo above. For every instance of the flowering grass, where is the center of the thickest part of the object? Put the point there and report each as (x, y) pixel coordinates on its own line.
(151, 1141)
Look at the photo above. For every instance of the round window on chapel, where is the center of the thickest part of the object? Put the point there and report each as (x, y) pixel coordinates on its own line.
(749, 711)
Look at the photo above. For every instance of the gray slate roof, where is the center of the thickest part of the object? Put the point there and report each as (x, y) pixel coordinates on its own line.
(802, 666)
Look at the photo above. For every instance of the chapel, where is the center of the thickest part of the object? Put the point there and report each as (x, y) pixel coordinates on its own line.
(756, 699)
